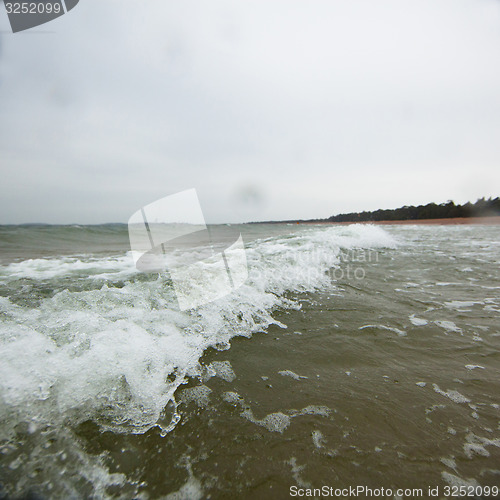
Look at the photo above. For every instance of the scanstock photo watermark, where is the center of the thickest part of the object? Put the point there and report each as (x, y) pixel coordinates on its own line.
(362, 491)
(26, 15)
(204, 262)
(343, 265)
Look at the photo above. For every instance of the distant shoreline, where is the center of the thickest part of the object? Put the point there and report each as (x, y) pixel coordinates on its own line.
(452, 221)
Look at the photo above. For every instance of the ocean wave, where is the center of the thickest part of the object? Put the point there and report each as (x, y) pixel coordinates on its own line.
(117, 354)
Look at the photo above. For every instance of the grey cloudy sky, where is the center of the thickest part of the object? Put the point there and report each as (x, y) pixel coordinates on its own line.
(270, 109)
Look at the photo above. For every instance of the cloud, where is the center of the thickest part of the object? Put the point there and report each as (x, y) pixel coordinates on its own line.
(324, 107)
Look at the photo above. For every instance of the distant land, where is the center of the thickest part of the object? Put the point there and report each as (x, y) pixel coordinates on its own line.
(482, 209)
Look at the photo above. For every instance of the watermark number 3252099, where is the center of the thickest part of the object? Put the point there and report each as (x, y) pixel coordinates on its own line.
(26, 15)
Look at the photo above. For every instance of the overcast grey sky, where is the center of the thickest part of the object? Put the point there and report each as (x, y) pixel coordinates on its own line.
(270, 109)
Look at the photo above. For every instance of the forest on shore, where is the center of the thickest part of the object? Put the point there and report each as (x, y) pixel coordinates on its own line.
(481, 208)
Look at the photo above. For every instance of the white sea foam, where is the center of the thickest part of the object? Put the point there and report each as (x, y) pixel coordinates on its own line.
(320, 410)
(274, 422)
(449, 462)
(232, 397)
(221, 369)
(476, 445)
(461, 304)
(401, 333)
(318, 439)
(296, 473)
(289, 373)
(191, 490)
(453, 480)
(38, 269)
(455, 396)
(199, 394)
(117, 355)
(449, 326)
(418, 321)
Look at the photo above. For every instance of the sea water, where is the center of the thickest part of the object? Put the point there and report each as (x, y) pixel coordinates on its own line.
(352, 355)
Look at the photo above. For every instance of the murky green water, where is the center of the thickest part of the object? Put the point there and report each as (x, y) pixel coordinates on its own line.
(352, 356)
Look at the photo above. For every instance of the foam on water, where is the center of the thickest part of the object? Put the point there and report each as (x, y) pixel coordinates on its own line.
(90, 338)
(449, 326)
(455, 396)
(453, 480)
(289, 373)
(418, 321)
(296, 473)
(191, 490)
(318, 439)
(449, 462)
(199, 394)
(223, 370)
(401, 333)
(476, 445)
(104, 267)
(117, 354)
(322, 411)
(461, 305)
(232, 397)
(274, 422)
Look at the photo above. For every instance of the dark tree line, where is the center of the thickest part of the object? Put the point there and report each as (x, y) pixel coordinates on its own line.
(482, 208)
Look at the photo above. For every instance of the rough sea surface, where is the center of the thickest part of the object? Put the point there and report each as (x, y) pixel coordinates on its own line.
(352, 355)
